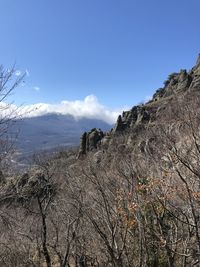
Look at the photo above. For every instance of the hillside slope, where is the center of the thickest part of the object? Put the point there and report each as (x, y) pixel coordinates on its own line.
(131, 198)
(178, 85)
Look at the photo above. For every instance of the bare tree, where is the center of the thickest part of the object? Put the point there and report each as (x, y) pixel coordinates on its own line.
(8, 112)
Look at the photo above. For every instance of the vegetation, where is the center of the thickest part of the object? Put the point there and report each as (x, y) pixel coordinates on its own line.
(137, 205)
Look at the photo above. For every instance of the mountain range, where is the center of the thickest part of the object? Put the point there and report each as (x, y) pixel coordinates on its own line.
(51, 131)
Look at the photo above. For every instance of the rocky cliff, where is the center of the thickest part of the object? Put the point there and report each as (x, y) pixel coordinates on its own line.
(176, 85)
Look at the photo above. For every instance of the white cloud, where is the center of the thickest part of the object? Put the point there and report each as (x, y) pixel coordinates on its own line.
(36, 88)
(89, 107)
(18, 72)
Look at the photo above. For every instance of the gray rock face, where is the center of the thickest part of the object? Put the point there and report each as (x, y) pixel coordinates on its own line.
(96, 138)
(195, 72)
(184, 81)
(90, 141)
(138, 114)
(120, 125)
(83, 147)
(93, 138)
(175, 83)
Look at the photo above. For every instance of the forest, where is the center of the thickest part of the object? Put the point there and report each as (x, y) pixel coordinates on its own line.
(132, 200)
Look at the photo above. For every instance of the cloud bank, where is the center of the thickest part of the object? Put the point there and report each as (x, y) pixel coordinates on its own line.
(89, 107)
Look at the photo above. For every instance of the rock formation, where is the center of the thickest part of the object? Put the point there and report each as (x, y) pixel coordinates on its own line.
(177, 83)
(90, 141)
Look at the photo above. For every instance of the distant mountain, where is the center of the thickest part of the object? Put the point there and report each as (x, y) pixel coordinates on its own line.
(52, 131)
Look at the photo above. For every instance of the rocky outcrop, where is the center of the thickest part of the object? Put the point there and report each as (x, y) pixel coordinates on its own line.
(93, 138)
(120, 125)
(138, 114)
(83, 148)
(90, 141)
(180, 82)
(96, 138)
(195, 73)
(177, 83)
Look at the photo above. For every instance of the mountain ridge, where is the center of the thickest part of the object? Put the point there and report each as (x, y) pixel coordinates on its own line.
(177, 84)
(131, 198)
(51, 130)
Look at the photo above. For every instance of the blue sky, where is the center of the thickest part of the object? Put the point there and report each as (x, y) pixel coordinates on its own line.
(121, 51)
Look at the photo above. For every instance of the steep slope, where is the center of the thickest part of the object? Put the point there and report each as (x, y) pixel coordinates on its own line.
(132, 198)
